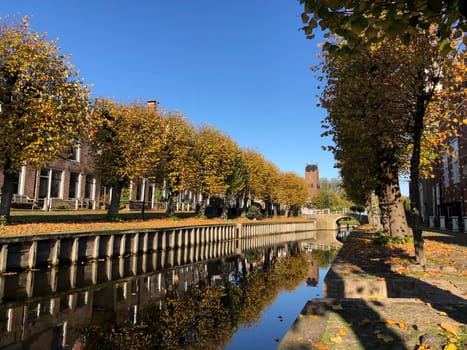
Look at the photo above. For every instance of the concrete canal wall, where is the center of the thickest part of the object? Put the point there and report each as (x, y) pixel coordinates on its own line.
(29, 252)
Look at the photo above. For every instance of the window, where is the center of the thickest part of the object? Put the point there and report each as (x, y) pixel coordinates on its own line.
(50, 183)
(56, 184)
(89, 189)
(73, 191)
(18, 182)
(74, 152)
(44, 183)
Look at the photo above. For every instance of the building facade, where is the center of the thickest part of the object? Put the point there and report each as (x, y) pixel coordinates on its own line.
(67, 182)
(444, 198)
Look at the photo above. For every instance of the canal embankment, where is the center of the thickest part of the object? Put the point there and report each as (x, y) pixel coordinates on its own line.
(38, 250)
(376, 297)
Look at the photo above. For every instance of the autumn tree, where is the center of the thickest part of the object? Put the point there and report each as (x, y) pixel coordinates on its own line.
(293, 194)
(177, 169)
(236, 182)
(256, 177)
(361, 99)
(127, 144)
(428, 30)
(43, 104)
(368, 22)
(272, 192)
(217, 155)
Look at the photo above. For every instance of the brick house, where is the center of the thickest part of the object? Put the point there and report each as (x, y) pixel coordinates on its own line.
(444, 198)
(66, 182)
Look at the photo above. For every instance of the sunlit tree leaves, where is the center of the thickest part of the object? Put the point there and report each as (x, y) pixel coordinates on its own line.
(177, 169)
(217, 155)
(368, 22)
(127, 145)
(43, 103)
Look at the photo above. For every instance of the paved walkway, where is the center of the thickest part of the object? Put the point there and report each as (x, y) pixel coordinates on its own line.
(377, 298)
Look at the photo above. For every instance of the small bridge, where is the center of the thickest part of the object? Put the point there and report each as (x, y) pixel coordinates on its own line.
(327, 220)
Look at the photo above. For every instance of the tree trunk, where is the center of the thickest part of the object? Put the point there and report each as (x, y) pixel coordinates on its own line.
(384, 210)
(225, 208)
(275, 210)
(202, 207)
(171, 204)
(7, 195)
(415, 204)
(114, 206)
(374, 212)
(244, 209)
(396, 212)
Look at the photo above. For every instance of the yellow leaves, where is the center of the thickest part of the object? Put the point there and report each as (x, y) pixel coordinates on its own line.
(449, 327)
(450, 346)
(337, 339)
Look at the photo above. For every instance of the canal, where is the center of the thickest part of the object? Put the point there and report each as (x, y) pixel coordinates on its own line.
(199, 297)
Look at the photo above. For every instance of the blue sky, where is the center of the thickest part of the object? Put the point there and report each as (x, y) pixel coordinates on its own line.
(241, 66)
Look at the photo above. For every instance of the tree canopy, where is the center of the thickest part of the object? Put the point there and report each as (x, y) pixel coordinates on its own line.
(43, 103)
(367, 22)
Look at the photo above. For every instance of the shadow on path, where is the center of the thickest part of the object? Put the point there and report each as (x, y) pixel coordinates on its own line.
(362, 271)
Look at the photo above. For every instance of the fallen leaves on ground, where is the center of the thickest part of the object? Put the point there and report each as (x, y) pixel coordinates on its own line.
(402, 325)
(99, 226)
(424, 347)
(319, 345)
(337, 339)
(449, 327)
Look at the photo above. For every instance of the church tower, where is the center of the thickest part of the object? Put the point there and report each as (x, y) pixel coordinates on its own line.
(312, 179)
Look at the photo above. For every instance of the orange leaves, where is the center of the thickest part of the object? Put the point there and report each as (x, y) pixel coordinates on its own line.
(338, 338)
(402, 325)
(342, 331)
(389, 322)
(319, 345)
(449, 327)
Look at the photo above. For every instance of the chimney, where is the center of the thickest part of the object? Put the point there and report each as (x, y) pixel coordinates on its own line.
(152, 105)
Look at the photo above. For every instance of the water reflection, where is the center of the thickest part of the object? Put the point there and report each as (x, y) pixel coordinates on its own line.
(192, 298)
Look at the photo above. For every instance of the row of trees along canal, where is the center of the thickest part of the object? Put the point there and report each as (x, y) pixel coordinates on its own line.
(45, 108)
(394, 87)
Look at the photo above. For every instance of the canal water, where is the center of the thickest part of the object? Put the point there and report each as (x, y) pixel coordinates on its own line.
(195, 298)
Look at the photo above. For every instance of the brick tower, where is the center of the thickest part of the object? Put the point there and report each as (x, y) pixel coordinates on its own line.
(312, 179)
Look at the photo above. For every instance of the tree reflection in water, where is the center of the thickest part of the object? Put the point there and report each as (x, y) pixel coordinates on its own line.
(205, 316)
